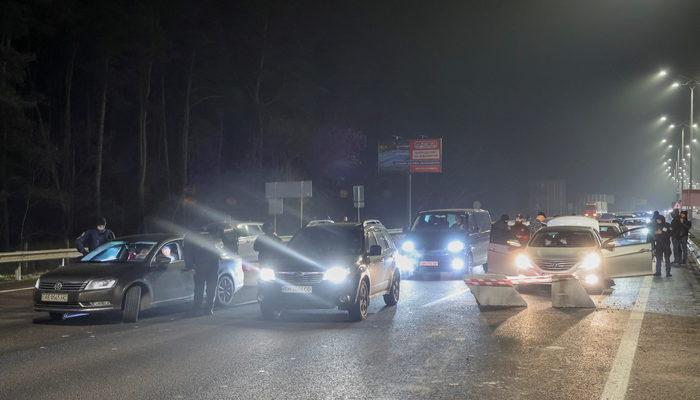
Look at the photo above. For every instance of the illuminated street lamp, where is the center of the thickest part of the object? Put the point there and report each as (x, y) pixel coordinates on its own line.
(663, 118)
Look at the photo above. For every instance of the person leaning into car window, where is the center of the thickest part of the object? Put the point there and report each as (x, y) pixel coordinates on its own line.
(94, 238)
(166, 252)
(267, 244)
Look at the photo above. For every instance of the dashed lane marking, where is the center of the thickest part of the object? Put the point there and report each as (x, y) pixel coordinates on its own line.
(618, 379)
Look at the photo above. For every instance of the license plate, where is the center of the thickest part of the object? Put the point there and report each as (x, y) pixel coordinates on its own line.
(55, 297)
(297, 289)
(428, 263)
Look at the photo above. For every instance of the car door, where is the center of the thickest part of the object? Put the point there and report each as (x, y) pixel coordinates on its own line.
(169, 281)
(376, 264)
(478, 240)
(630, 256)
(388, 251)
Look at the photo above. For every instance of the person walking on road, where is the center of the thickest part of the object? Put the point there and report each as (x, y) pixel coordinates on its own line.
(94, 238)
(676, 233)
(683, 240)
(537, 223)
(662, 245)
(267, 244)
(202, 254)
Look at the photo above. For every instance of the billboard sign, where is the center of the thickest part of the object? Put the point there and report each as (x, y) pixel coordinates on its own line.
(288, 190)
(393, 155)
(425, 156)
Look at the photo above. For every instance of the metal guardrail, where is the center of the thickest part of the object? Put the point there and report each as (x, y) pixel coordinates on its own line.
(22, 257)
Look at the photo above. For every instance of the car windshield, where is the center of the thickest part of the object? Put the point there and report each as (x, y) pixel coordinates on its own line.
(562, 238)
(120, 252)
(439, 221)
(608, 231)
(328, 239)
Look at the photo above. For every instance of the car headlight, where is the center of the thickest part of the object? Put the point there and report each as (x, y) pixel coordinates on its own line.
(335, 274)
(455, 246)
(36, 284)
(591, 261)
(408, 246)
(522, 261)
(101, 284)
(266, 274)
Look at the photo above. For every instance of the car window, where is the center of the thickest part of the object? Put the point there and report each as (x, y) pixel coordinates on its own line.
(381, 239)
(442, 220)
(473, 224)
(254, 230)
(389, 239)
(120, 252)
(609, 231)
(172, 250)
(632, 237)
(483, 221)
(327, 239)
(562, 238)
(370, 241)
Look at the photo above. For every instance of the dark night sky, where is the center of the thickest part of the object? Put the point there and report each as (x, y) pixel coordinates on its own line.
(556, 89)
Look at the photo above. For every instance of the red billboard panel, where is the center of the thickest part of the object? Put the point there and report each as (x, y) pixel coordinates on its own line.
(425, 156)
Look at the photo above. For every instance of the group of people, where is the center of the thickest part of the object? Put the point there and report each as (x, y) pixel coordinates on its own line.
(667, 238)
(202, 254)
(501, 232)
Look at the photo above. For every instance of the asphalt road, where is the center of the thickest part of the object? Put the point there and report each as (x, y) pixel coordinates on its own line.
(435, 344)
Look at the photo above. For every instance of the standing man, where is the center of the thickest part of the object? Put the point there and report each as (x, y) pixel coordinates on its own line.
(520, 230)
(202, 255)
(662, 245)
(94, 238)
(537, 223)
(683, 240)
(676, 233)
(267, 244)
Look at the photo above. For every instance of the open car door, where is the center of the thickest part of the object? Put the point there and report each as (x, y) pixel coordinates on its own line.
(628, 254)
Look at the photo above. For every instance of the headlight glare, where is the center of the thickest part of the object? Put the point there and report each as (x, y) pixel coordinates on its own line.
(101, 284)
(591, 261)
(455, 246)
(335, 274)
(266, 274)
(522, 261)
(408, 246)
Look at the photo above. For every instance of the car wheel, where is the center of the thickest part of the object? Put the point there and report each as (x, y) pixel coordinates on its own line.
(391, 298)
(132, 304)
(358, 311)
(56, 316)
(268, 312)
(224, 291)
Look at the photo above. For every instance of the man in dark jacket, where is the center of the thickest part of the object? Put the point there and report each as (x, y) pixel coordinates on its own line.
(267, 244)
(683, 239)
(651, 229)
(537, 223)
(662, 245)
(94, 238)
(500, 232)
(202, 253)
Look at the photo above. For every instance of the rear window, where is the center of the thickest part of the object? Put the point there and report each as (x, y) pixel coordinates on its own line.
(562, 238)
(609, 231)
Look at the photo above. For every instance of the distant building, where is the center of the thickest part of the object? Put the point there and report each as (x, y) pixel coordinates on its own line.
(548, 196)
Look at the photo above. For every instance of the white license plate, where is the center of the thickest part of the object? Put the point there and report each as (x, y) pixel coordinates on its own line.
(55, 297)
(428, 263)
(297, 289)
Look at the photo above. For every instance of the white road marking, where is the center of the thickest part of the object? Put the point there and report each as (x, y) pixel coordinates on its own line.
(15, 290)
(618, 379)
(449, 296)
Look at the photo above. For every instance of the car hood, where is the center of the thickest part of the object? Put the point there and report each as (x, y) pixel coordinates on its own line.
(85, 271)
(434, 240)
(548, 253)
(299, 264)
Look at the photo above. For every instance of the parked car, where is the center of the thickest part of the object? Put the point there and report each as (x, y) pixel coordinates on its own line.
(573, 246)
(635, 222)
(609, 230)
(338, 265)
(129, 275)
(320, 221)
(248, 232)
(439, 242)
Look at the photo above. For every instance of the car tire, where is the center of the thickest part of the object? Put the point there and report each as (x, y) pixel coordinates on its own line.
(132, 304)
(358, 310)
(391, 298)
(225, 289)
(268, 312)
(56, 316)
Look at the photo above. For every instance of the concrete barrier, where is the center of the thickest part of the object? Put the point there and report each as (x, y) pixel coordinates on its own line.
(494, 290)
(567, 292)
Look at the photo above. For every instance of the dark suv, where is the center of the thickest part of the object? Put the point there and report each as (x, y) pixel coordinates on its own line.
(329, 266)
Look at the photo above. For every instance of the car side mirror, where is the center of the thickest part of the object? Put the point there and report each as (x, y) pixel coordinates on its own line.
(609, 245)
(375, 250)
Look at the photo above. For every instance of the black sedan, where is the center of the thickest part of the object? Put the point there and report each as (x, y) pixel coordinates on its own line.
(128, 275)
(329, 266)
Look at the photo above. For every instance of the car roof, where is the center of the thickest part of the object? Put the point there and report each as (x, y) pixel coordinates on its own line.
(152, 237)
(568, 228)
(573, 220)
(452, 210)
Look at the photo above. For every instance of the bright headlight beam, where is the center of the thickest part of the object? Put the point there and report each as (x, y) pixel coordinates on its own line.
(455, 246)
(266, 274)
(522, 261)
(591, 261)
(335, 274)
(101, 284)
(408, 246)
